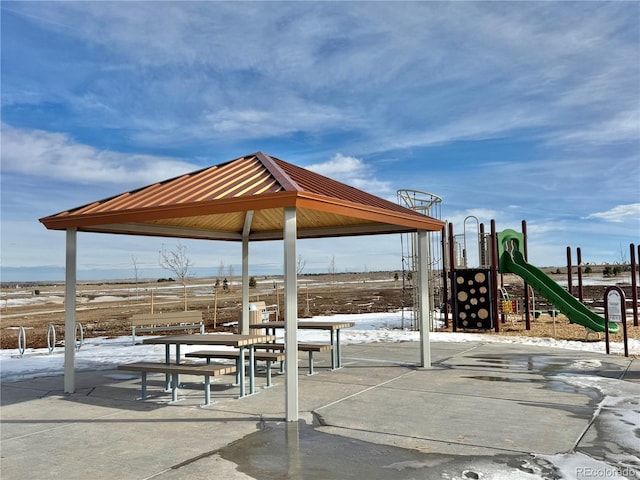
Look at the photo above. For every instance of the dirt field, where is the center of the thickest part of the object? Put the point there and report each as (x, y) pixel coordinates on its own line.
(104, 309)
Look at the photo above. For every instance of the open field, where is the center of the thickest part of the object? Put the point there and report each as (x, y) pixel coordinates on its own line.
(104, 308)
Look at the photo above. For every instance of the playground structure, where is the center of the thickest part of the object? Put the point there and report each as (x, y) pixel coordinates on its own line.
(466, 275)
(426, 204)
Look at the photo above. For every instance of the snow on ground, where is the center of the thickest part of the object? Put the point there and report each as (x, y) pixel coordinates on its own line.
(101, 353)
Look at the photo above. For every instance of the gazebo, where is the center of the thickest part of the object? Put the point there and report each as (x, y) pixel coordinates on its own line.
(252, 198)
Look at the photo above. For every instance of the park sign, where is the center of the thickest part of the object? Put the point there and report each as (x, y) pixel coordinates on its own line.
(615, 311)
(614, 302)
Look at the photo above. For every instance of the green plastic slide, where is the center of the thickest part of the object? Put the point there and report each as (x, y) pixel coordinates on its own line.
(512, 261)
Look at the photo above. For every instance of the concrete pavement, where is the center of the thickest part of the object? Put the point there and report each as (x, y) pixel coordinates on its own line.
(482, 411)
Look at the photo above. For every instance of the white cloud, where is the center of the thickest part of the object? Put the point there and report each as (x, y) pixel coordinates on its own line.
(619, 214)
(288, 115)
(620, 127)
(57, 156)
(420, 75)
(340, 166)
(352, 171)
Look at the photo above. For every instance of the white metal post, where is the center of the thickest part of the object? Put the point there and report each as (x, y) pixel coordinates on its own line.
(244, 320)
(70, 313)
(243, 328)
(291, 314)
(423, 292)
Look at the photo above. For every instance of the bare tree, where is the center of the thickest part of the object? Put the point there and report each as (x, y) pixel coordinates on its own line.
(332, 269)
(177, 262)
(134, 260)
(623, 258)
(230, 273)
(300, 264)
(220, 273)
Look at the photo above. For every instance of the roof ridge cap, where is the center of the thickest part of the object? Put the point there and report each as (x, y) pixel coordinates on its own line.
(280, 175)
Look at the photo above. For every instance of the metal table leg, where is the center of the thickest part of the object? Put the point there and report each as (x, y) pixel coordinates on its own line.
(252, 371)
(207, 390)
(167, 360)
(241, 374)
(333, 352)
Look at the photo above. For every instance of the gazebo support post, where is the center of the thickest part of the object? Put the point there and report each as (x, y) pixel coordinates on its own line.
(291, 314)
(70, 313)
(243, 327)
(423, 286)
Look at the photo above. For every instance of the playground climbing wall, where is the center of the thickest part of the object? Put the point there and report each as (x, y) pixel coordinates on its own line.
(472, 293)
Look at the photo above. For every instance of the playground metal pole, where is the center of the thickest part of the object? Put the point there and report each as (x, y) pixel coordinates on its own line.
(452, 268)
(494, 274)
(569, 267)
(527, 310)
(445, 289)
(483, 247)
(579, 260)
(634, 285)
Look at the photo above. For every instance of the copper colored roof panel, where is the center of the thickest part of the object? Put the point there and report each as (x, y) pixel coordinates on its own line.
(212, 203)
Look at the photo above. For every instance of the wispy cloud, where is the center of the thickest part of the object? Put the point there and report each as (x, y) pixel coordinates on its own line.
(291, 70)
(620, 213)
(57, 156)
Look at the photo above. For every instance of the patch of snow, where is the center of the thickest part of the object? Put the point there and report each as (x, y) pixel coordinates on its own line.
(102, 353)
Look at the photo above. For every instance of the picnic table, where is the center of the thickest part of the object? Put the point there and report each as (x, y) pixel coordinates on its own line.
(241, 342)
(333, 327)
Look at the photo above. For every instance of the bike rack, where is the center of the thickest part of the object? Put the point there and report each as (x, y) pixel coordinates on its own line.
(51, 332)
(22, 341)
(51, 338)
(81, 341)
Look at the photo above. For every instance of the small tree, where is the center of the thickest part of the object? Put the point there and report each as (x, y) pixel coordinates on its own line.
(220, 272)
(332, 268)
(177, 262)
(230, 274)
(252, 282)
(135, 273)
(300, 264)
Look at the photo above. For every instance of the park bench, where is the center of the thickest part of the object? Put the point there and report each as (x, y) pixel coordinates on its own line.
(168, 321)
(302, 347)
(175, 370)
(235, 355)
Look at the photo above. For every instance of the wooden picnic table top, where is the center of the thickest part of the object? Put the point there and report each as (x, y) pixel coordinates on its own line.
(307, 325)
(229, 339)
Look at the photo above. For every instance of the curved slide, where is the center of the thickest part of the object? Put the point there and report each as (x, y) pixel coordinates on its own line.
(513, 261)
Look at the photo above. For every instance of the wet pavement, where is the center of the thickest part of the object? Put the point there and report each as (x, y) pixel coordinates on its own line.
(482, 411)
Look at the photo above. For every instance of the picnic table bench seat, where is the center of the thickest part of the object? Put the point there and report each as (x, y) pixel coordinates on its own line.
(235, 355)
(302, 347)
(175, 370)
(168, 321)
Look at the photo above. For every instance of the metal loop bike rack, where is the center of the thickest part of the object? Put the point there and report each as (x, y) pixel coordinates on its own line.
(22, 340)
(51, 334)
(81, 341)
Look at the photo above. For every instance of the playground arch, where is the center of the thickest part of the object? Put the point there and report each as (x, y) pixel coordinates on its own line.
(251, 198)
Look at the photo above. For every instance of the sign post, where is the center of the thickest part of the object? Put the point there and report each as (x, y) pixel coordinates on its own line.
(614, 311)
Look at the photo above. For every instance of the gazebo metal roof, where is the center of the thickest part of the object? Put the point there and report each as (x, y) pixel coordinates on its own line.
(212, 203)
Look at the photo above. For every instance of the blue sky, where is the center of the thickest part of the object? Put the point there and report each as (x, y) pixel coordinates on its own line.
(507, 110)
